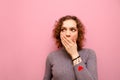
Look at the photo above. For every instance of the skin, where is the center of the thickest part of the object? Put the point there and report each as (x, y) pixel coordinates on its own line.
(69, 35)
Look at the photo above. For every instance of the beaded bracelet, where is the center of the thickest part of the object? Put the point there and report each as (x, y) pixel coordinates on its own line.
(76, 58)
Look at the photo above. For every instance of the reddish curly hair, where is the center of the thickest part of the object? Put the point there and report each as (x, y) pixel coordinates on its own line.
(81, 31)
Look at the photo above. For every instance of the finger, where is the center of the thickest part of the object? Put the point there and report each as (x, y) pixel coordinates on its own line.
(64, 41)
(67, 39)
(70, 44)
(65, 44)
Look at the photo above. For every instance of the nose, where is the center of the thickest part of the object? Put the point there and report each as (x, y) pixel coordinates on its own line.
(67, 33)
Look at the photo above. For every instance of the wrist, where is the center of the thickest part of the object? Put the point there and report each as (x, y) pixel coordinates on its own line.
(74, 56)
(77, 61)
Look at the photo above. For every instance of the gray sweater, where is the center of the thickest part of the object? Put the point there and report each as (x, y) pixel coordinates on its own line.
(59, 66)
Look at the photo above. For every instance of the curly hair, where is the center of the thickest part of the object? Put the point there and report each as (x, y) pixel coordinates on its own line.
(80, 27)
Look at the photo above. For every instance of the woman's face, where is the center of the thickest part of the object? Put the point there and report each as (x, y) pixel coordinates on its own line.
(69, 29)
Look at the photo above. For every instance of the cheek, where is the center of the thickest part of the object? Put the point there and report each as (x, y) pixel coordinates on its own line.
(74, 36)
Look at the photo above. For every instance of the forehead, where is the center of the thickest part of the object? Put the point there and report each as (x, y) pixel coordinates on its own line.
(69, 23)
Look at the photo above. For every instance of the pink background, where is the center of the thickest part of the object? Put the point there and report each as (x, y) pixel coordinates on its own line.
(26, 35)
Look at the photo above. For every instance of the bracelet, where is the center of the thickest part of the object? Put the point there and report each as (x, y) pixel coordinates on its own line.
(76, 58)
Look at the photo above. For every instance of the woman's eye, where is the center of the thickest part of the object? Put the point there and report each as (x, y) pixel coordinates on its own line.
(73, 30)
(62, 30)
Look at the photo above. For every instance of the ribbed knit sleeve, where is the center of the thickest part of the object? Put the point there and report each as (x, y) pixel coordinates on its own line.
(87, 70)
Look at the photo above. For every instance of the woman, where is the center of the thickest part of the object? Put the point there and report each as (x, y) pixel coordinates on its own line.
(71, 61)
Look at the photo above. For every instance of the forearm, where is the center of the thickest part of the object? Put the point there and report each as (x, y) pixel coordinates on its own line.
(86, 70)
(82, 73)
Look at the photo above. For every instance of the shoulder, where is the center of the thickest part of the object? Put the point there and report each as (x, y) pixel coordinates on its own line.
(87, 53)
(55, 54)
